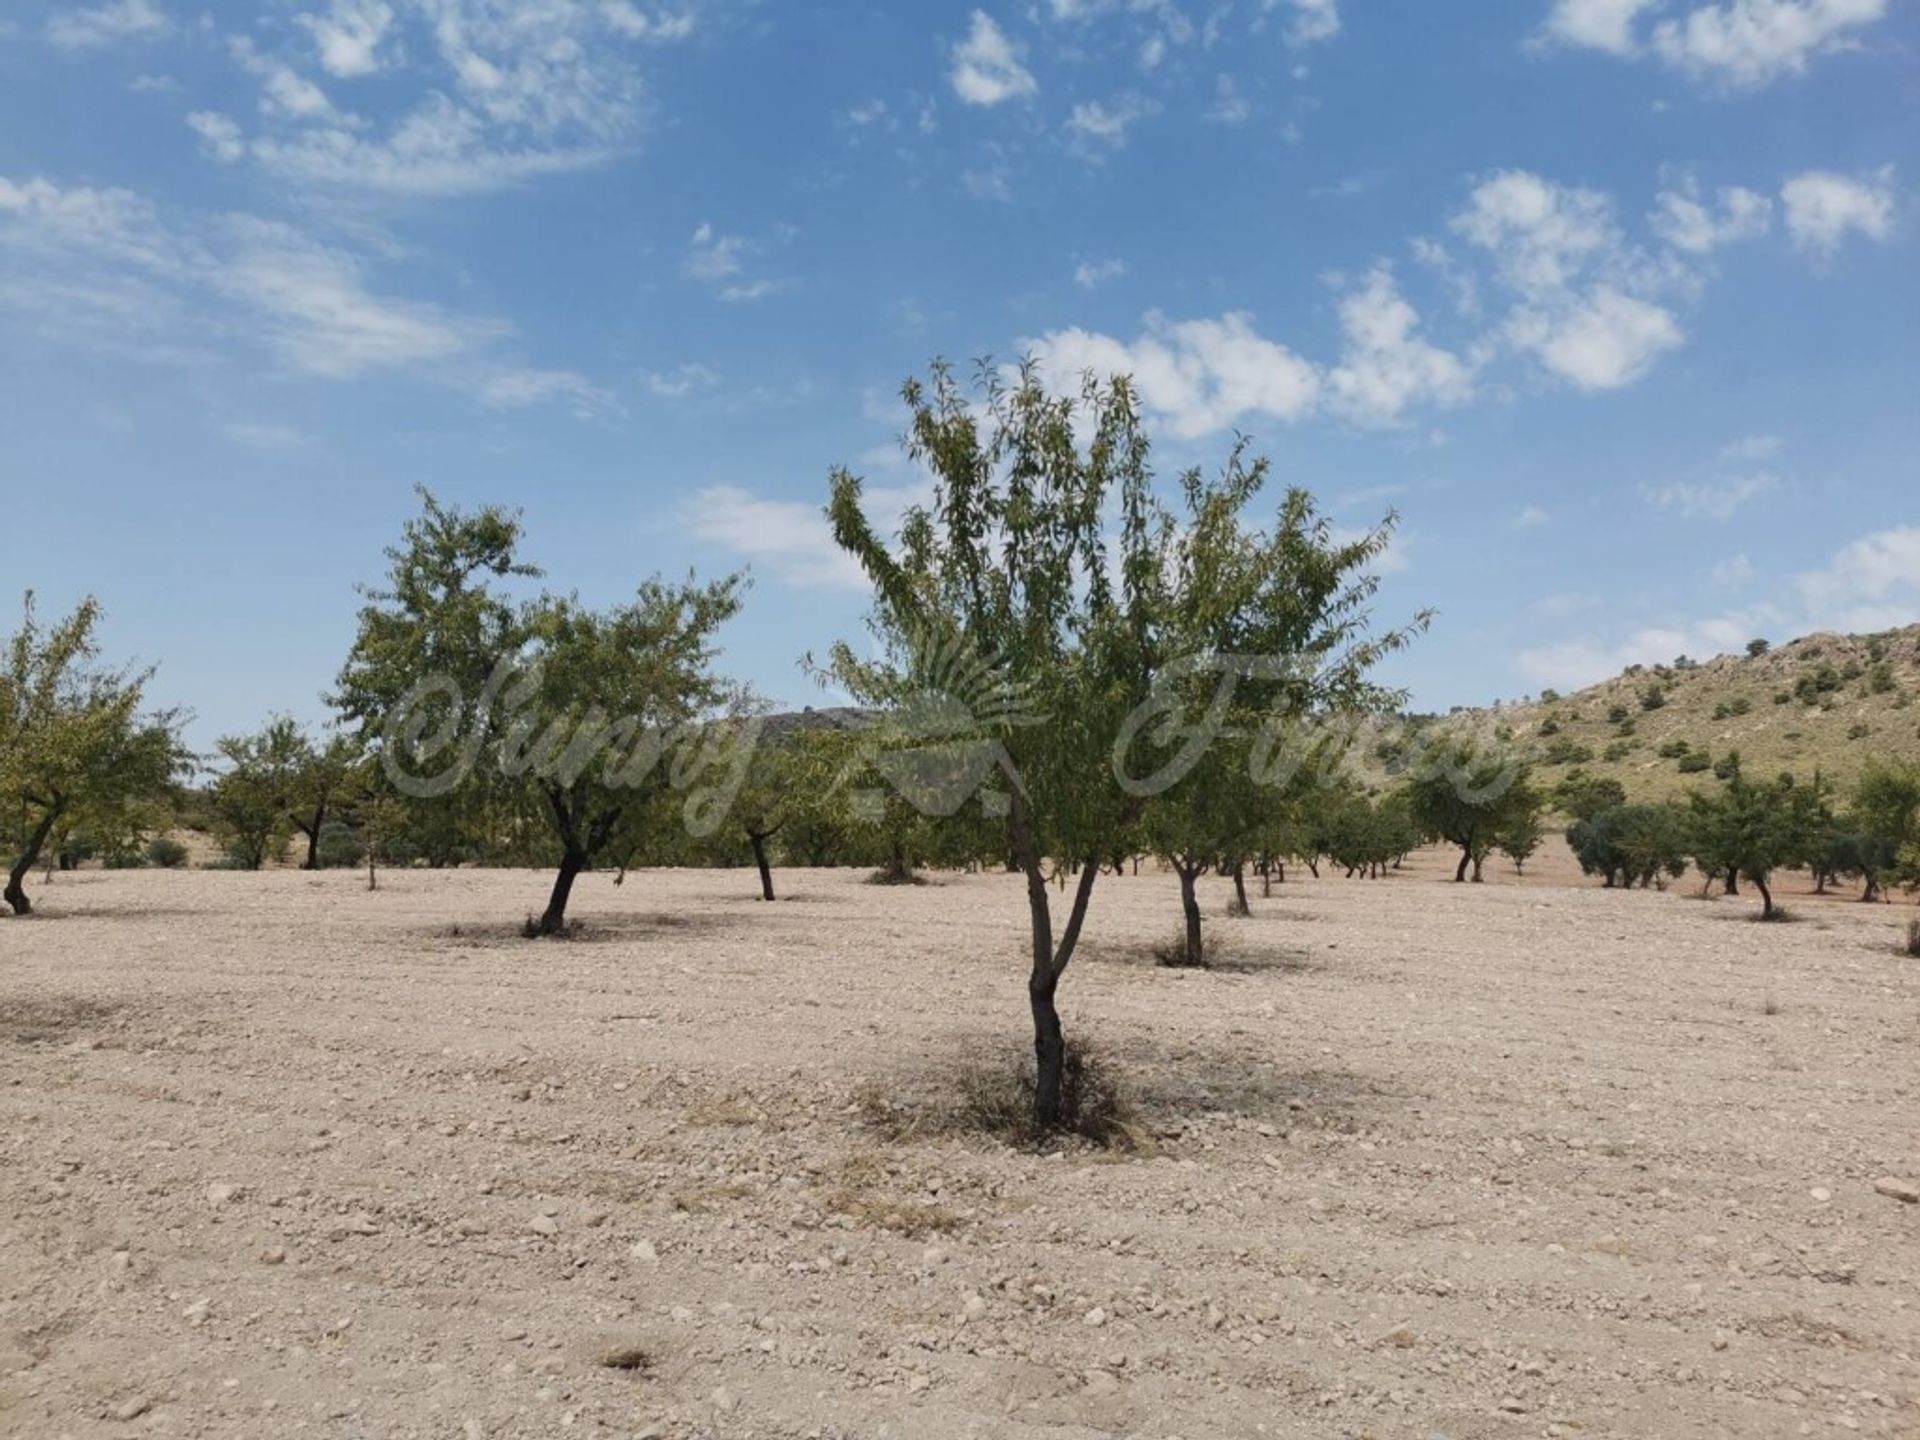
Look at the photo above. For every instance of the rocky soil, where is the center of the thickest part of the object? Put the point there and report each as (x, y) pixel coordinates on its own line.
(280, 1157)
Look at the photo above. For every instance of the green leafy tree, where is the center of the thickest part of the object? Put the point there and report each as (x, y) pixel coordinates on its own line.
(1884, 821)
(252, 797)
(1745, 830)
(77, 749)
(1467, 790)
(1521, 832)
(562, 717)
(1042, 557)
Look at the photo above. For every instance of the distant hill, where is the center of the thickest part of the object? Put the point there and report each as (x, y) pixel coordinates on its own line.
(1826, 702)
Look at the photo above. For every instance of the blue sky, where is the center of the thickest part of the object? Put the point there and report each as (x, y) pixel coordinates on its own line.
(1614, 301)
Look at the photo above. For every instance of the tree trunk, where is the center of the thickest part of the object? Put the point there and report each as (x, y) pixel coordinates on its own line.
(1313, 868)
(1872, 892)
(1194, 952)
(16, 892)
(1466, 859)
(1266, 882)
(1049, 963)
(554, 920)
(759, 843)
(1733, 880)
(1478, 861)
(1240, 905)
(1766, 897)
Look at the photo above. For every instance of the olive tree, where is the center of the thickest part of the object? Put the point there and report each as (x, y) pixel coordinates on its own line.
(77, 746)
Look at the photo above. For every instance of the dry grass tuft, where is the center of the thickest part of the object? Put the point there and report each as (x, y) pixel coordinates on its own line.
(996, 1101)
(1913, 939)
(1172, 953)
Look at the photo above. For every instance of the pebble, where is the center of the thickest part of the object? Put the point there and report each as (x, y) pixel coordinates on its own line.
(643, 1250)
(221, 1194)
(1895, 1189)
(725, 1401)
(274, 1255)
(1095, 1316)
(974, 1308)
(544, 1225)
(132, 1410)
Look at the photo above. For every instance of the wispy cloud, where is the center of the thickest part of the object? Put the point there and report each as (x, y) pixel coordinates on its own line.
(89, 28)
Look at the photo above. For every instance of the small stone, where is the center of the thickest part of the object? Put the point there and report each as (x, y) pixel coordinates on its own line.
(356, 1225)
(544, 1225)
(1821, 1195)
(975, 1308)
(133, 1409)
(917, 1383)
(274, 1255)
(513, 1332)
(643, 1250)
(1894, 1189)
(197, 1312)
(725, 1401)
(221, 1194)
(1095, 1317)
(1787, 1395)
(1721, 1339)
(625, 1357)
(1400, 1337)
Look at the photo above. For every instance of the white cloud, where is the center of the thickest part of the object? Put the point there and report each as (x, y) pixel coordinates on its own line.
(1092, 274)
(1699, 226)
(1741, 43)
(263, 435)
(481, 94)
(1092, 123)
(318, 313)
(1531, 517)
(682, 380)
(1230, 107)
(87, 29)
(1871, 584)
(1600, 341)
(516, 389)
(220, 136)
(1750, 42)
(790, 537)
(106, 269)
(989, 184)
(713, 256)
(720, 261)
(348, 37)
(1200, 376)
(1312, 21)
(1749, 448)
(1822, 208)
(1385, 366)
(986, 66)
(1585, 303)
(1597, 24)
(1868, 585)
(1732, 572)
(1717, 498)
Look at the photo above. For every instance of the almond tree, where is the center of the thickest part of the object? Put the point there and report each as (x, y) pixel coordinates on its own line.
(76, 746)
(1044, 560)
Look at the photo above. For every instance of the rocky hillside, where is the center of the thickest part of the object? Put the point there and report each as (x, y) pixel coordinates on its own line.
(1826, 702)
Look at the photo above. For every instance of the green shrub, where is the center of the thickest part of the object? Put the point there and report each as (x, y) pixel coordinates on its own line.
(1674, 749)
(1694, 763)
(340, 846)
(166, 853)
(1726, 767)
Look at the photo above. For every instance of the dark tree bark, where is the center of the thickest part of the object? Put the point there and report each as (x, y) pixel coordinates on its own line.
(1872, 893)
(1240, 905)
(1460, 872)
(759, 843)
(1766, 897)
(1193, 950)
(553, 921)
(16, 891)
(311, 829)
(1478, 861)
(1050, 961)
(1733, 880)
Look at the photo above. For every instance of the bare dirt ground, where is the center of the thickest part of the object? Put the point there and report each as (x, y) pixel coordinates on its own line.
(280, 1157)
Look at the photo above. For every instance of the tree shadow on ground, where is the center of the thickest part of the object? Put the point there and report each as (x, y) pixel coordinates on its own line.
(45, 1019)
(588, 929)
